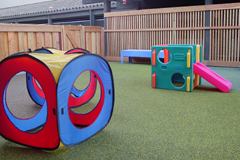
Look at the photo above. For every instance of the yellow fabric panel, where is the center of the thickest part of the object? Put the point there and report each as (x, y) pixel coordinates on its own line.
(55, 62)
(56, 51)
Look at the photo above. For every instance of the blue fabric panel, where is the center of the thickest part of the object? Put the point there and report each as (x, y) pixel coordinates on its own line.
(26, 124)
(32, 92)
(69, 134)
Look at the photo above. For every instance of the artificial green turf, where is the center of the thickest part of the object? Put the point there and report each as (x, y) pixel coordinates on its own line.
(152, 123)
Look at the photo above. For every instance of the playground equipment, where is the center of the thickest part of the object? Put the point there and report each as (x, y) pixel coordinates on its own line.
(182, 69)
(50, 76)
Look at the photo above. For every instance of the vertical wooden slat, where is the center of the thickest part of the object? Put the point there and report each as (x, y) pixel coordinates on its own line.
(40, 39)
(235, 45)
(193, 25)
(131, 33)
(93, 35)
(108, 46)
(70, 39)
(89, 41)
(137, 33)
(76, 35)
(83, 38)
(117, 45)
(185, 25)
(48, 39)
(196, 25)
(23, 41)
(216, 37)
(224, 36)
(212, 37)
(13, 42)
(236, 36)
(98, 43)
(227, 38)
(119, 40)
(108, 38)
(55, 37)
(221, 36)
(121, 33)
(102, 42)
(210, 45)
(3, 45)
(64, 38)
(238, 46)
(32, 42)
(232, 39)
(180, 26)
(114, 37)
(230, 36)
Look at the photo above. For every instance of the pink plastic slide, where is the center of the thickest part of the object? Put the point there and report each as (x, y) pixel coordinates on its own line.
(212, 77)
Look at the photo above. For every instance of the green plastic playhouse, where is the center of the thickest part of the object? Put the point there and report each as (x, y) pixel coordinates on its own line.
(174, 70)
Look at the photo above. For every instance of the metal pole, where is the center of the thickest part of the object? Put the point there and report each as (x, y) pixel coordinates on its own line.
(208, 2)
(92, 18)
(207, 32)
(107, 8)
(49, 20)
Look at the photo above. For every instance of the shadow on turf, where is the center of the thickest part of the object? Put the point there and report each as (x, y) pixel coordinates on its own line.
(204, 88)
(20, 150)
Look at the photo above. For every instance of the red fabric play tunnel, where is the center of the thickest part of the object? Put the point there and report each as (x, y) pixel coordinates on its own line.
(47, 137)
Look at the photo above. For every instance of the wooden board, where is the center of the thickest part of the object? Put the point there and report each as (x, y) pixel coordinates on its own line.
(3, 45)
(21, 37)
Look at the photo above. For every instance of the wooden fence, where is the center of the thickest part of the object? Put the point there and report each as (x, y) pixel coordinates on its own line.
(20, 37)
(216, 27)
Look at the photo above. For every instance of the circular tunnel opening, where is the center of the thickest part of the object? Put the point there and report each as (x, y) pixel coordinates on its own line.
(20, 108)
(164, 56)
(85, 98)
(82, 81)
(178, 80)
(87, 86)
